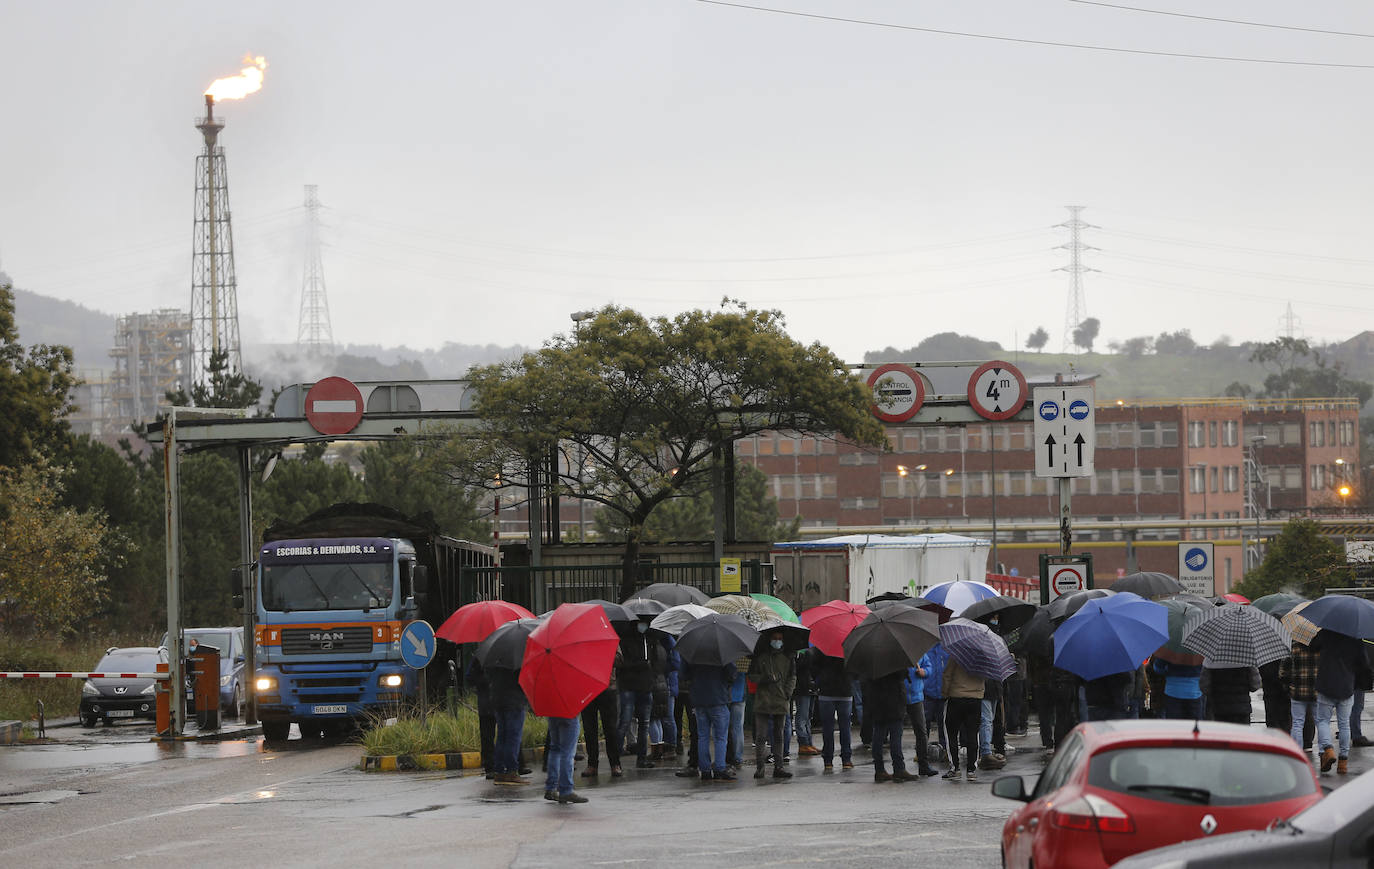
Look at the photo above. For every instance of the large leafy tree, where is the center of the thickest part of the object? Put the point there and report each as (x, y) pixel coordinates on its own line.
(639, 410)
(1085, 333)
(35, 387)
(1300, 559)
(1297, 370)
(692, 516)
(396, 473)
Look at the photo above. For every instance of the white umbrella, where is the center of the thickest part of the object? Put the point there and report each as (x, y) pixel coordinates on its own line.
(675, 618)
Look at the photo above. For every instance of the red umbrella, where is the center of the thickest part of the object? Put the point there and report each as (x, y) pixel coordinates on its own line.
(831, 622)
(1236, 598)
(568, 660)
(474, 622)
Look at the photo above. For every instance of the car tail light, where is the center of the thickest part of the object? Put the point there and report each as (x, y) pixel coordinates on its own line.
(1091, 812)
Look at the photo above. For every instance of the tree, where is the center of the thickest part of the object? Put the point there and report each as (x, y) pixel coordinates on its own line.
(225, 388)
(1085, 333)
(1038, 339)
(301, 486)
(692, 517)
(1138, 346)
(53, 559)
(35, 387)
(1302, 560)
(399, 474)
(1178, 343)
(1289, 377)
(630, 412)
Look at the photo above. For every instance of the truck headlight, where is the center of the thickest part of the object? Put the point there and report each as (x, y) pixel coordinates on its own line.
(392, 680)
(264, 684)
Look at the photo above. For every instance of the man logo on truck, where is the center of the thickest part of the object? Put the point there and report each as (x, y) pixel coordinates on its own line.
(337, 635)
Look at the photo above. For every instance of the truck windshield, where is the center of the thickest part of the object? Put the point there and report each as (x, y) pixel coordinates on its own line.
(315, 586)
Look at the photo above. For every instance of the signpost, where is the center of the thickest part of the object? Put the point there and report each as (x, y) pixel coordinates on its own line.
(898, 392)
(417, 650)
(997, 391)
(730, 575)
(1065, 437)
(1196, 570)
(1064, 574)
(334, 406)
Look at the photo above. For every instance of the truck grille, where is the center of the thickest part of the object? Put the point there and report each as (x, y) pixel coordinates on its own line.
(314, 641)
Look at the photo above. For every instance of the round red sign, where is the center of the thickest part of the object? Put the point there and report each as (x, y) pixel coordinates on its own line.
(334, 406)
(997, 390)
(901, 393)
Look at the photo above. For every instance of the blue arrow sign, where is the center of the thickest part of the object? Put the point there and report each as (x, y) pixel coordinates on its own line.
(417, 645)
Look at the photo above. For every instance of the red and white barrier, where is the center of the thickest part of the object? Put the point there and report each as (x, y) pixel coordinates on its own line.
(4, 674)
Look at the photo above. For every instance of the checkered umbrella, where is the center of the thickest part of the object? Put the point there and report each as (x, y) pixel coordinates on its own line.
(1300, 628)
(977, 649)
(1236, 635)
(755, 612)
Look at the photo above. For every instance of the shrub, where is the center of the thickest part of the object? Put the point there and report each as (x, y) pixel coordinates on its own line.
(439, 732)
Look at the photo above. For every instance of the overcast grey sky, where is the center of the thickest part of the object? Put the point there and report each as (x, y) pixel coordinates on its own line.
(489, 166)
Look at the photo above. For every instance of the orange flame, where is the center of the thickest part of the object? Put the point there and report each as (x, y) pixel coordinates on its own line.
(236, 87)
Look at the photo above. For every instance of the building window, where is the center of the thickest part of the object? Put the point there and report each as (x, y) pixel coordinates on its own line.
(855, 504)
(1168, 480)
(973, 438)
(1019, 436)
(1105, 482)
(1214, 479)
(933, 440)
(954, 484)
(1230, 433)
(1347, 433)
(1292, 434)
(766, 445)
(1168, 434)
(859, 459)
(911, 440)
(1147, 434)
(1197, 433)
(977, 483)
(1317, 477)
(1016, 483)
(1197, 480)
(1149, 481)
(1125, 481)
(1231, 481)
(1212, 433)
(1104, 435)
(1316, 434)
(787, 446)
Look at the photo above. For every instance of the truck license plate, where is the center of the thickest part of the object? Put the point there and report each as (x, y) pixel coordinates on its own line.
(330, 710)
(121, 713)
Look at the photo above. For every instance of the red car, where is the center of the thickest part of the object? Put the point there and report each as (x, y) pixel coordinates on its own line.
(1115, 788)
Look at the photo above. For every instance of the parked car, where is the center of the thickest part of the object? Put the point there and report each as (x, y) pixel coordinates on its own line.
(1116, 788)
(1336, 832)
(229, 642)
(110, 699)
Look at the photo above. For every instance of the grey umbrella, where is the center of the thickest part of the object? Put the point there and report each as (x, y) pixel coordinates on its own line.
(615, 612)
(1011, 613)
(674, 593)
(645, 607)
(504, 648)
(1066, 605)
(1148, 584)
(888, 640)
(1237, 636)
(716, 639)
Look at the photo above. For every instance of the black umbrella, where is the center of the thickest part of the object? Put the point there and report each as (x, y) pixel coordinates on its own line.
(716, 639)
(1066, 605)
(1010, 612)
(1034, 636)
(504, 648)
(889, 639)
(1149, 584)
(941, 611)
(674, 593)
(645, 607)
(615, 612)
(795, 637)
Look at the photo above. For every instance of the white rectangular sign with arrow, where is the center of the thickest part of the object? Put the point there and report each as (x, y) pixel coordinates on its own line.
(1065, 431)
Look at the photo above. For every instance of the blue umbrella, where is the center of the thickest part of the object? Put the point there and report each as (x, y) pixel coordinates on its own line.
(1110, 635)
(957, 595)
(1342, 613)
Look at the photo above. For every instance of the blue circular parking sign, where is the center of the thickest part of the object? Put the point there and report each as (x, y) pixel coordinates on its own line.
(417, 644)
(1079, 409)
(1196, 559)
(1048, 410)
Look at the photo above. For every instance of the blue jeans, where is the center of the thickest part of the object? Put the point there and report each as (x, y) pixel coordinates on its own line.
(510, 727)
(562, 749)
(664, 730)
(836, 713)
(986, 710)
(802, 719)
(712, 723)
(1177, 707)
(1300, 710)
(889, 732)
(636, 705)
(1356, 713)
(737, 732)
(1342, 708)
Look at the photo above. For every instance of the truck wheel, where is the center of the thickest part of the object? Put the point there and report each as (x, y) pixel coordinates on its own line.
(276, 731)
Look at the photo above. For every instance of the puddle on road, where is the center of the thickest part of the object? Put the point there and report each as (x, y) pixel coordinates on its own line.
(56, 756)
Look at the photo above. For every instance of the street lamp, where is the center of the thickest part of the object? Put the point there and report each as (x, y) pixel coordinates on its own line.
(903, 471)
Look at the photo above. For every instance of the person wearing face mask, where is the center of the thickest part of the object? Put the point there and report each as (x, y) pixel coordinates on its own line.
(643, 661)
(774, 671)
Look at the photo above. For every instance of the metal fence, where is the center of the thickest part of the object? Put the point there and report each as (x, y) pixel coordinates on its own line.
(544, 587)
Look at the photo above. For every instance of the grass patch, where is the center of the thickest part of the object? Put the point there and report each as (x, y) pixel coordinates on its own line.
(440, 732)
(61, 697)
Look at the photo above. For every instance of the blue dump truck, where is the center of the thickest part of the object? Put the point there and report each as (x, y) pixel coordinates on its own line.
(334, 592)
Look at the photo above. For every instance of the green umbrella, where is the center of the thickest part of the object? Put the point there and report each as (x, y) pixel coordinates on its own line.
(783, 610)
(1278, 604)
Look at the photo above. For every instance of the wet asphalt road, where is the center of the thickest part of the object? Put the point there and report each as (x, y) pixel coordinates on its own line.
(107, 795)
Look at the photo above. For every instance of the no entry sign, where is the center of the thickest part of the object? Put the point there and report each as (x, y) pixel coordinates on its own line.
(334, 406)
(898, 392)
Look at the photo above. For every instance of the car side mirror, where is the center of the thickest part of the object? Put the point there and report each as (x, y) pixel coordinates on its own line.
(239, 659)
(1011, 787)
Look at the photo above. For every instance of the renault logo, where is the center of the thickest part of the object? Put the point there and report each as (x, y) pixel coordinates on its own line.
(1208, 825)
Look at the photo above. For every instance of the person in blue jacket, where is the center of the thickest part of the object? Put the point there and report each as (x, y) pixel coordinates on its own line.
(915, 710)
(935, 702)
(1182, 688)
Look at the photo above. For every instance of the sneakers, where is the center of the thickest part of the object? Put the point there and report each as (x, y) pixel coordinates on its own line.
(807, 751)
(971, 776)
(829, 767)
(882, 776)
(1328, 759)
(952, 775)
(781, 773)
(903, 775)
(573, 797)
(847, 765)
(928, 771)
(1342, 766)
(616, 771)
(508, 778)
(551, 796)
(991, 761)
